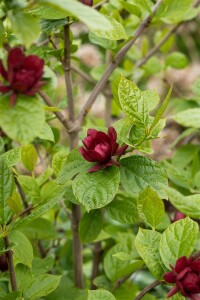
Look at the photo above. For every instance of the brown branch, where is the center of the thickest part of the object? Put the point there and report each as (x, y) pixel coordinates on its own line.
(83, 74)
(147, 289)
(73, 138)
(58, 114)
(67, 71)
(11, 268)
(97, 252)
(118, 58)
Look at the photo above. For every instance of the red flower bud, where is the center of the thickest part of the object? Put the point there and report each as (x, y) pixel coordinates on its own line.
(87, 2)
(3, 263)
(178, 216)
(100, 147)
(186, 277)
(23, 74)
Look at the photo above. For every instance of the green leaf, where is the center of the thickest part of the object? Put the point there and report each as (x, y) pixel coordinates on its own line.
(58, 161)
(27, 114)
(96, 21)
(178, 240)
(75, 163)
(41, 286)
(15, 202)
(23, 251)
(189, 118)
(177, 60)
(12, 296)
(6, 188)
(95, 190)
(116, 33)
(123, 209)
(171, 11)
(2, 33)
(37, 229)
(42, 265)
(90, 226)
(44, 176)
(161, 109)
(132, 101)
(22, 23)
(116, 268)
(151, 207)
(147, 244)
(151, 98)
(139, 172)
(189, 205)
(12, 157)
(51, 193)
(46, 133)
(100, 295)
(30, 187)
(29, 157)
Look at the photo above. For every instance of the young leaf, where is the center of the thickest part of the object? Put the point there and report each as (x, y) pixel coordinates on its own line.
(151, 207)
(6, 188)
(96, 21)
(23, 251)
(95, 190)
(90, 226)
(189, 118)
(147, 244)
(58, 161)
(189, 205)
(29, 157)
(178, 240)
(21, 23)
(161, 109)
(30, 187)
(177, 60)
(123, 209)
(75, 163)
(132, 101)
(46, 133)
(12, 157)
(100, 295)
(27, 114)
(139, 172)
(116, 268)
(15, 202)
(41, 286)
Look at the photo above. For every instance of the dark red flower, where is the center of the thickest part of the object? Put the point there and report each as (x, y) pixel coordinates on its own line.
(186, 276)
(3, 263)
(23, 75)
(87, 2)
(178, 216)
(100, 147)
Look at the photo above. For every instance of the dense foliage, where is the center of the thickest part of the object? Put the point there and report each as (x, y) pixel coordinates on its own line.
(94, 203)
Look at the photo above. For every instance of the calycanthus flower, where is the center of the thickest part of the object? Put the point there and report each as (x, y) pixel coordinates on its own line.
(186, 276)
(87, 2)
(23, 74)
(179, 216)
(100, 148)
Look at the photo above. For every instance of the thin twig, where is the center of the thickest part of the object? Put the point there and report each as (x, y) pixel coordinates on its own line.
(118, 58)
(65, 209)
(58, 114)
(97, 252)
(108, 94)
(11, 268)
(83, 74)
(73, 138)
(147, 289)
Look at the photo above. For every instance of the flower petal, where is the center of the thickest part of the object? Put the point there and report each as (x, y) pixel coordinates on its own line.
(90, 155)
(112, 134)
(195, 266)
(3, 72)
(4, 89)
(88, 142)
(173, 291)
(15, 58)
(96, 167)
(170, 277)
(13, 99)
(121, 150)
(181, 263)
